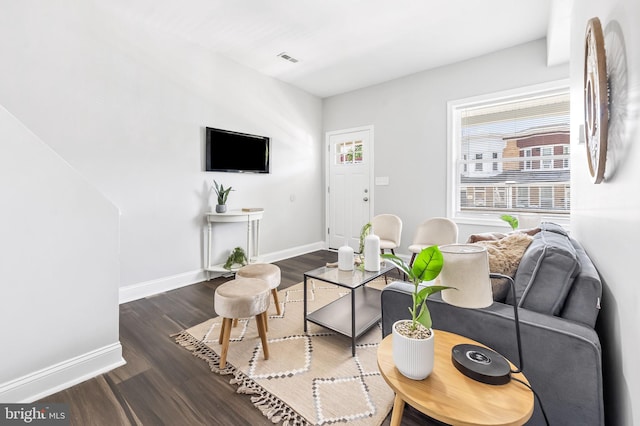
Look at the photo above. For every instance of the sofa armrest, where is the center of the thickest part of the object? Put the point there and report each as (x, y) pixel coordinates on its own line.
(562, 358)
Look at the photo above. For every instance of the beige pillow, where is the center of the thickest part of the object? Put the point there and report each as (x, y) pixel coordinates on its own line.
(485, 236)
(504, 258)
(530, 231)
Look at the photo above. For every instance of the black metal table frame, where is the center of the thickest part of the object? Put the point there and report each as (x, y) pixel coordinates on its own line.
(368, 300)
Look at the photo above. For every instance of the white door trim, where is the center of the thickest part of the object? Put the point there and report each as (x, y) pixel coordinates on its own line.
(327, 176)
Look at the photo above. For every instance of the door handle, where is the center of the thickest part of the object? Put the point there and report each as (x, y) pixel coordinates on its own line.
(366, 199)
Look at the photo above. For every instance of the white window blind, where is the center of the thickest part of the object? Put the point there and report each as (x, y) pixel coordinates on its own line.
(512, 154)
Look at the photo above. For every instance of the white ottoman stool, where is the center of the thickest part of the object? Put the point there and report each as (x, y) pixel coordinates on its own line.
(242, 298)
(264, 271)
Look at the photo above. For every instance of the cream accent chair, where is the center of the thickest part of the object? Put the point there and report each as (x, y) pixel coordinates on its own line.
(388, 227)
(434, 231)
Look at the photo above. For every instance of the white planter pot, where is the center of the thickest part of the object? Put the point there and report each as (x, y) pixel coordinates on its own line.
(412, 357)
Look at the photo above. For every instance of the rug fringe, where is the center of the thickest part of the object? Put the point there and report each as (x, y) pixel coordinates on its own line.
(269, 405)
(202, 351)
(272, 407)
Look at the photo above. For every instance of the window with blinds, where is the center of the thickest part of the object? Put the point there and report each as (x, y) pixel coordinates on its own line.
(511, 154)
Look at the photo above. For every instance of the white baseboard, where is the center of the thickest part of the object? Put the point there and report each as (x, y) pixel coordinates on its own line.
(37, 385)
(149, 288)
(293, 252)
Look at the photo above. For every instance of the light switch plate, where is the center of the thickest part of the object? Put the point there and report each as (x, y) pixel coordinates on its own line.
(382, 180)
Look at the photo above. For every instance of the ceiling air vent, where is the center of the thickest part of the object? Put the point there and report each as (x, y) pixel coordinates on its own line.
(286, 56)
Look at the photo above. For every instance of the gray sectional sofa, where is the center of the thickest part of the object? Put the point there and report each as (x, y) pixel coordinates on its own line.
(558, 291)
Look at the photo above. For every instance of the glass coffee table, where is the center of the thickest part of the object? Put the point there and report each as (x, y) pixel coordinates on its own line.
(340, 315)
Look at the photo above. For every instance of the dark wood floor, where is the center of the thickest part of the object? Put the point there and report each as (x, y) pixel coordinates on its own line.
(162, 383)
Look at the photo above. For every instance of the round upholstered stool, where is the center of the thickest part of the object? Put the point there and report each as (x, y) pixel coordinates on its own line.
(242, 298)
(264, 271)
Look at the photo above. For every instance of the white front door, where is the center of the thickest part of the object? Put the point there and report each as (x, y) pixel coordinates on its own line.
(349, 189)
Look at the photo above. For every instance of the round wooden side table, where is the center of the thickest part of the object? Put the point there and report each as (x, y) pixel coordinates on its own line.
(451, 397)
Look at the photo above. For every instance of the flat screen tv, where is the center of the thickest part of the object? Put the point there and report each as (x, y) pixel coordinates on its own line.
(228, 151)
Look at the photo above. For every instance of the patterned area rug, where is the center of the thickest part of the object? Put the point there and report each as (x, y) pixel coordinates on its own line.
(309, 379)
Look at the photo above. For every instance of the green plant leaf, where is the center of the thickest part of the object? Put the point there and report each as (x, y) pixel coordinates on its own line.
(399, 263)
(428, 264)
(422, 307)
(427, 291)
(425, 317)
(511, 220)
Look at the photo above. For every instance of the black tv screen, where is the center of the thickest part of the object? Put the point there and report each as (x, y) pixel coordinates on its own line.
(228, 151)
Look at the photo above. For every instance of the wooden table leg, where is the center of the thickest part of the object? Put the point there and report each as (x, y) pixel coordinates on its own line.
(396, 413)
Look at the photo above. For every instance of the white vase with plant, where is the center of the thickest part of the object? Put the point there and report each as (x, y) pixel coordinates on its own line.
(412, 344)
(222, 194)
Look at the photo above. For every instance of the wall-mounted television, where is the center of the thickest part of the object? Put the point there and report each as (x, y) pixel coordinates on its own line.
(228, 151)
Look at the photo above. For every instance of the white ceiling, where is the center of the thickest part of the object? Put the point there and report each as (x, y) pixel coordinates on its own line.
(342, 45)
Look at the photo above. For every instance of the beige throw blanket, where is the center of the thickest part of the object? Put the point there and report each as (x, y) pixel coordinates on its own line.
(504, 257)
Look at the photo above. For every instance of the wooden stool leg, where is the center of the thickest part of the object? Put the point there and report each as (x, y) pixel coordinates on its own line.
(235, 322)
(275, 299)
(222, 327)
(225, 342)
(260, 321)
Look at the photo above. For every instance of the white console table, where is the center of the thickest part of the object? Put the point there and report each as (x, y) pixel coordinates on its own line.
(252, 218)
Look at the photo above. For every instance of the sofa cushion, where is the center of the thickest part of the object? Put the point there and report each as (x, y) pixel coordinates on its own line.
(553, 227)
(504, 258)
(583, 301)
(547, 271)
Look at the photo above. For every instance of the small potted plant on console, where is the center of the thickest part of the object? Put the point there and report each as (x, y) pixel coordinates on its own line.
(222, 194)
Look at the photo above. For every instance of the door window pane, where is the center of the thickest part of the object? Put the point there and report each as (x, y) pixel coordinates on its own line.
(349, 153)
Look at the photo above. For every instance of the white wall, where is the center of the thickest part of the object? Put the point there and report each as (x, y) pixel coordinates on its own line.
(126, 106)
(124, 110)
(58, 270)
(606, 217)
(410, 120)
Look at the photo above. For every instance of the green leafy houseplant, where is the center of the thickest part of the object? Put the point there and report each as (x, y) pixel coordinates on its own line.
(511, 220)
(366, 230)
(221, 192)
(426, 267)
(237, 257)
